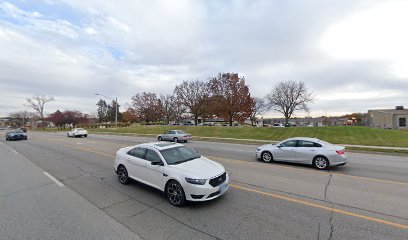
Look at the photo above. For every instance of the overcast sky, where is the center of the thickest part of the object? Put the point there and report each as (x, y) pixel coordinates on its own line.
(353, 55)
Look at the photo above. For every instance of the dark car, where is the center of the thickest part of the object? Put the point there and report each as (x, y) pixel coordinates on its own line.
(16, 135)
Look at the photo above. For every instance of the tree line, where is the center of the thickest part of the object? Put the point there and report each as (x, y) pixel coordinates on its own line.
(226, 96)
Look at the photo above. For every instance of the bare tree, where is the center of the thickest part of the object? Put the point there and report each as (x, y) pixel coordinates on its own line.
(258, 107)
(172, 107)
(22, 116)
(289, 96)
(231, 96)
(147, 107)
(194, 95)
(37, 103)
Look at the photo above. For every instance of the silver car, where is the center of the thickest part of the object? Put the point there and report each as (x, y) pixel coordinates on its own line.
(312, 151)
(175, 135)
(77, 132)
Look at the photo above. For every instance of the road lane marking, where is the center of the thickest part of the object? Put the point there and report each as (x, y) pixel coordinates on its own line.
(251, 162)
(330, 209)
(53, 179)
(274, 195)
(312, 171)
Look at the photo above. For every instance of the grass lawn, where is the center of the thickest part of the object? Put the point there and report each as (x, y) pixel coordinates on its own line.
(339, 134)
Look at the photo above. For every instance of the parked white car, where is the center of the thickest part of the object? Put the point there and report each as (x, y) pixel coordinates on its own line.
(179, 171)
(312, 151)
(77, 132)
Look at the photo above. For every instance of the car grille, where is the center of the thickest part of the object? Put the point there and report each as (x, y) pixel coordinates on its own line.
(218, 180)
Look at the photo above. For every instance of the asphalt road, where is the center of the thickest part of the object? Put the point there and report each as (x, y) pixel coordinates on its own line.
(366, 199)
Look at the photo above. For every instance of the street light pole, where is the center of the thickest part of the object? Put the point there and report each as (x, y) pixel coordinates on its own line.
(116, 112)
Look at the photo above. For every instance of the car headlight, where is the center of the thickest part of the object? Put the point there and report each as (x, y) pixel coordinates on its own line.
(196, 181)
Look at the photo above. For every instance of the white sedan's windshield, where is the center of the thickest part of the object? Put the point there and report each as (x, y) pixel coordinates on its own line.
(179, 155)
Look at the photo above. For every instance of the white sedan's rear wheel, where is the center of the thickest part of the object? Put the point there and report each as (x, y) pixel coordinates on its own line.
(123, 175)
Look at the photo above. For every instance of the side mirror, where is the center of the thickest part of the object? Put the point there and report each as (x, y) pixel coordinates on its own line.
(157, 163)
(279, 146)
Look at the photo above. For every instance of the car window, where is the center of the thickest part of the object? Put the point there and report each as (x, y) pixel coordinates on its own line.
(180, 132)
(172, 132)
(290, 143)
(303, 143)
(168, 132)
(179, 154)
(138, 152)
(152, 156)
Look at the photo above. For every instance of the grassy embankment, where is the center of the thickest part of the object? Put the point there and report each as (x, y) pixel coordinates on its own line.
(339, 135)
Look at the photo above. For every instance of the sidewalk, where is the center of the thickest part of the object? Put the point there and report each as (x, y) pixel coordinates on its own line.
(35, 206)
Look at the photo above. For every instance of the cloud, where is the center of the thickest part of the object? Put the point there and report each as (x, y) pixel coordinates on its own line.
(73, 49)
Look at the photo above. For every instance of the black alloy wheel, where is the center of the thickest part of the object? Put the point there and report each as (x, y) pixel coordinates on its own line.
(175, 194)
(123, 175)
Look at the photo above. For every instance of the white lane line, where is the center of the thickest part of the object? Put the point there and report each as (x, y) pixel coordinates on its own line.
(53, 179)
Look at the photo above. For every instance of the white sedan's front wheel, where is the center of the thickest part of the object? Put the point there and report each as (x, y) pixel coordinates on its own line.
(175, 193)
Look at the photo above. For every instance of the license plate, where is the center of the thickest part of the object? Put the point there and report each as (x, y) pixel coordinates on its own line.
(223, 187)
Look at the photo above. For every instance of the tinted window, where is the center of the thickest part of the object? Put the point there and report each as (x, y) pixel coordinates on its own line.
(291, 143)
(138, 152)
(303, 143)
(172, 132)
(131, 152)
(179, 154)
(152, 156)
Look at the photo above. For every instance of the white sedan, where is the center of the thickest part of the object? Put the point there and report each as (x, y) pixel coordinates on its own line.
(179, 171)
(77, 132)
(312, 151)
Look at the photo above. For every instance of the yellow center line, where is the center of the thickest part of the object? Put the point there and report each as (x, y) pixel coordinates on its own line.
(312, 171)
(322, 207)
(271, 194)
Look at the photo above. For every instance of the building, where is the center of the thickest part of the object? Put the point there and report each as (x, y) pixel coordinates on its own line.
(388, 118)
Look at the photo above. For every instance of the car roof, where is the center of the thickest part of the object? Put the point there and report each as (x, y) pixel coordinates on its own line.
(304, 138)
(160, 145)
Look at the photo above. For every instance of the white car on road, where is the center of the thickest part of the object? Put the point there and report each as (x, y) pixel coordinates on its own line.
(312, 151)
(77, 132)
(179, 171)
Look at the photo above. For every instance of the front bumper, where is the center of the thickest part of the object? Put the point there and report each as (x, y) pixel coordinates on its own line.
(206, 192)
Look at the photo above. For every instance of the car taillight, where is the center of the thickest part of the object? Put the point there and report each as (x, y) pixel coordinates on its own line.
(340, 152)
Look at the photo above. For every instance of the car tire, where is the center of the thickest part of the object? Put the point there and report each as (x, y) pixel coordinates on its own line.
(175, 140)
(175, 193)
(321, 162)
(7, 139)
(25, 138)
(159, 138)
(68, 135)
(267, 157)
(86, 135)
(123, 175)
